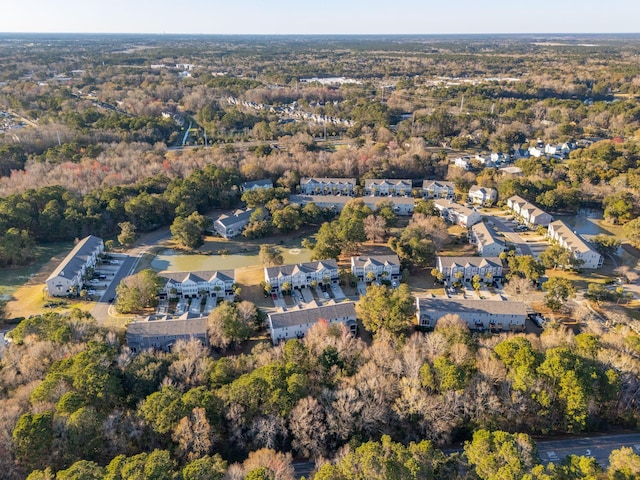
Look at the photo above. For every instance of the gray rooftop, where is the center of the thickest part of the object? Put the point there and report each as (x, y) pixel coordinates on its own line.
(77, 258)
(166, 325)
(239, 215)
(312, 314)
(485, 234)
(448, 204)
(199, 277)
(326, 180)
(437, 183)
(257, 183)
(574, 241)
(455, 306)
(375, 260)
(308, 267)
(372, 182)
(478, 262)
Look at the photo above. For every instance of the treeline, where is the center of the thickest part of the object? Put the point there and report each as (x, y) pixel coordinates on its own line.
(54, 213)
(70, 393)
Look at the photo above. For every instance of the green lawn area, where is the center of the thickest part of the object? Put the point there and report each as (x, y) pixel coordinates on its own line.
(11, 279)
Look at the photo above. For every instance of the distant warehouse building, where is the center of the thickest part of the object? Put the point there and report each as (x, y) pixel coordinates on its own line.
(479, 314)
(71, 271)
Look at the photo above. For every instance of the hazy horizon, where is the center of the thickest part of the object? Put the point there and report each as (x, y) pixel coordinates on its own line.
(332, 17)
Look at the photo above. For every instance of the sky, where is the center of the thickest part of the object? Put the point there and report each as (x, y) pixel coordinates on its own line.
(321, 16)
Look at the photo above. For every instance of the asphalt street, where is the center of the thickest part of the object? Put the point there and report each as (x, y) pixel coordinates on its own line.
(598, 447)
(550, 451)
(512, 236)
(101, 310)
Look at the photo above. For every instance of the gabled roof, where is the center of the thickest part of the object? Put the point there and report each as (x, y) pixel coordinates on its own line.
(372, 182)
(257, 183)
(483, 190)
(573, 240)
(378, 260)
(437, 183)
(199, 277)
(168, 325)
(308, 267)
(469, 262)
(77, 258)
(442, 204)
(327, 180)
(239, 215)
(303, 316)
(456, 306)
(485, 235)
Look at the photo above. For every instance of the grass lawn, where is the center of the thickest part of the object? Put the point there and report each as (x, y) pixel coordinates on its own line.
(422, 282)
(248, 279)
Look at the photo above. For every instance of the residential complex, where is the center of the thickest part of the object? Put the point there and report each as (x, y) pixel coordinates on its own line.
(295, 322)
(387, 187)
(231, 225)
(323, 272)
(528, 212)
(479, 314)
(483, 195)
(257, 185)
(486, 240)
(438, 189)
(376, 268)
(327, 186)
(161, 332)
(561, 233)
(69, 276)
(211, 283)
(463, 269)
(456, 213)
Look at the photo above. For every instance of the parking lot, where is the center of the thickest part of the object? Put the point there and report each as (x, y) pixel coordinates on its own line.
(103, 276)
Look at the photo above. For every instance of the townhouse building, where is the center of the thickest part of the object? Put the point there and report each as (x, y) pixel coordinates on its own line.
(322, 272)
(69, 275)
(479, 314)
(289, 323)
(581, 250)
(376, 268)
(463, 269)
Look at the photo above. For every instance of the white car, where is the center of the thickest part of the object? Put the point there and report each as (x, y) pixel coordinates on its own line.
(326, 295)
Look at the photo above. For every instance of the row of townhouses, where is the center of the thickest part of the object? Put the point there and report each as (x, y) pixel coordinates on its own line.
(463, 269)
(456, 213)
(71, 272)
(231, 225)
(528, 212)
(486, 240)
(161, 332)
(387, 187)
(562, 234)
(497, 159)
(210, 283)
(479, 314)
(287, 323)
(323, 272)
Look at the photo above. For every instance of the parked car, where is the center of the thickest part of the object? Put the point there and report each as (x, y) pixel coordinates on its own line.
(326, 295)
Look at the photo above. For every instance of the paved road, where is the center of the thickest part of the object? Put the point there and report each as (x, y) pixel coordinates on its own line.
(101, 310)
(550, 451)
(511, 236)
(598, 447)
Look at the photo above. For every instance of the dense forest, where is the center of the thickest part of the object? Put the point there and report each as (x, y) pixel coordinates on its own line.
(75, 400)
